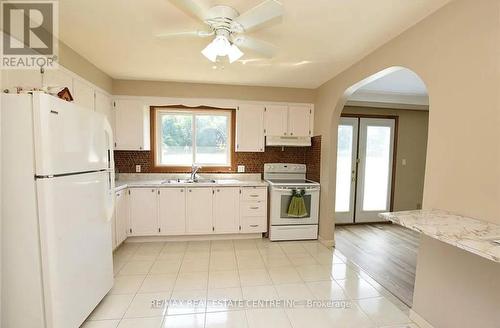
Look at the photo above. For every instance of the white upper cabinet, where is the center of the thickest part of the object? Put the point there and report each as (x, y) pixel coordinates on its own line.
(143, 207)
(250, 128)
(58, 78)
(103, 105)
(130, 125)
(172, 211)
(199, 211)
(276, 120)
(288, 120)
(226, 210)
(299, 121)
(83, 94)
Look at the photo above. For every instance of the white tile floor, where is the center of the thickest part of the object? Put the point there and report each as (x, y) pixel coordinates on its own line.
(208, 284)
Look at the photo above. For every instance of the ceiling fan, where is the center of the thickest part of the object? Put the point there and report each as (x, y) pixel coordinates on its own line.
(227, 26)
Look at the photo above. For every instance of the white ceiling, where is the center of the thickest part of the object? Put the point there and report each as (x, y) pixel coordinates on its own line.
(402, 87)
(316, 39)
(402, 81)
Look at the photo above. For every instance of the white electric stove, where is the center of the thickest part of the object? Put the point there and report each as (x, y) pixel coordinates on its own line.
(283, 179)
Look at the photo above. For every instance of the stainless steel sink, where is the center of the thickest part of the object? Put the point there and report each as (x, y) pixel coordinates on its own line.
(182, 181)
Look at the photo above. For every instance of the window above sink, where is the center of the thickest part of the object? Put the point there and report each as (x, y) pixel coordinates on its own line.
(182, 136)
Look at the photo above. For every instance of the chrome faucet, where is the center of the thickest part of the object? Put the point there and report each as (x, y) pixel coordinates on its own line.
(194, 171)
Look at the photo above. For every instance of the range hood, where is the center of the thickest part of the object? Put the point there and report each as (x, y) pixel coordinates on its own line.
(288, 141)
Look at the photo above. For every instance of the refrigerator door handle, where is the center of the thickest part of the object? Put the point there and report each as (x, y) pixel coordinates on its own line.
(109, 136)
(110, 197)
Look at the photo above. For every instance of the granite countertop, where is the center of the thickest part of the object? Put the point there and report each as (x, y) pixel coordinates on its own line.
(122, 184)
(472, 235)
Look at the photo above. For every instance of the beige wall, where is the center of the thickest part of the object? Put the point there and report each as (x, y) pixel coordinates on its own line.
(81, 66)
(412, 146)
(456, 53)
(198, 90)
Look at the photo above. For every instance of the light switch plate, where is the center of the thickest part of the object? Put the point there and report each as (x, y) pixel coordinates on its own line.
(241, 168)
(138, 168)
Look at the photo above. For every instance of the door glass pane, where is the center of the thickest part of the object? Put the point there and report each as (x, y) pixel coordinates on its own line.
(176, 146)
(377, 168)
(344, 168)
(212, 140)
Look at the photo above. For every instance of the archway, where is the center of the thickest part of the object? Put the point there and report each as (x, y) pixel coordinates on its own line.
(379, 162)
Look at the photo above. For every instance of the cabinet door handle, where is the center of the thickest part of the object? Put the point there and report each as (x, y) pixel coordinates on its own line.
(254, 225)
(254, 195)
(254, 208)
(190, 190)
(182, 190)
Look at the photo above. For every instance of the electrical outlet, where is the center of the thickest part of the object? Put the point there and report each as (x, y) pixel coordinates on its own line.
(241, 168)
(138, 168)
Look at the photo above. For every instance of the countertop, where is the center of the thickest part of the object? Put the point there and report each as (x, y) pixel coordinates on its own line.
(122, 184)
(472, 235)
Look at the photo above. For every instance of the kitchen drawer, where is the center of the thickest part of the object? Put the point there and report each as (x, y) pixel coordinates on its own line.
(254, 194)
(253, 224)
(253, 209)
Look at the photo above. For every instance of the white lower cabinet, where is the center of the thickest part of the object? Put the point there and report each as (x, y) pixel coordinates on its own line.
(225, 210)
(143, 209)
(253, 209)
(199, 204)
(190, 211)
(121, 216)
(172, 211)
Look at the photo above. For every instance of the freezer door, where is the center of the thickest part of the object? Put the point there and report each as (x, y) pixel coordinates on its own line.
(68, 138)
(76, 247)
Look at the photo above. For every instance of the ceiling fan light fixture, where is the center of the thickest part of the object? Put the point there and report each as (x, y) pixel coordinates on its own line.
(221, 46)
(234, 53)
(210, 51)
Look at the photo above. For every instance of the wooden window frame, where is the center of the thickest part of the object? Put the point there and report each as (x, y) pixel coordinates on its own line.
(186, 169)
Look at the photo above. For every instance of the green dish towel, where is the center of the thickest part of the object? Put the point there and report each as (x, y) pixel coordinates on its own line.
(297, 207)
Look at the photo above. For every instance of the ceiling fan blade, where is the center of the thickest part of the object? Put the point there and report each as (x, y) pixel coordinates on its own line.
(260, 14)
(168, 35)
(196, 8)
(263, 48)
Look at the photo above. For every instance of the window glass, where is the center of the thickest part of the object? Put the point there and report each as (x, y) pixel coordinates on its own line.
(186, 138)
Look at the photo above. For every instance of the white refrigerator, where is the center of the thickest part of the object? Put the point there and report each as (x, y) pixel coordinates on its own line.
(57, 203)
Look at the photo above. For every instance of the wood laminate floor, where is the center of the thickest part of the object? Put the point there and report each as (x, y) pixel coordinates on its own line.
(387, 252)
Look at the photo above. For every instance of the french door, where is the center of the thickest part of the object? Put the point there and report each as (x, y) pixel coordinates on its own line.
(365, 153)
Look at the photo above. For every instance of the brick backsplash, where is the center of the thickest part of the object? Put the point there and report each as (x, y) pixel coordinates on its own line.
(313, 159)
(125, 161)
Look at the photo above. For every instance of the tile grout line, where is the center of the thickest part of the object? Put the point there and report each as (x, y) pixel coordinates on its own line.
(164, 317)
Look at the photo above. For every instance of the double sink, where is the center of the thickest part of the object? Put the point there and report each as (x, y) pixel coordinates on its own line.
(184, 181)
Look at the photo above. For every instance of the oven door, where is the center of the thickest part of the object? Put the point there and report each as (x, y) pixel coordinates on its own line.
(281, 198)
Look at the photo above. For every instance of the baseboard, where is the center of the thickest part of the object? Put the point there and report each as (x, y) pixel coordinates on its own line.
(326, 242)
(142, 239)
(421, 322)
